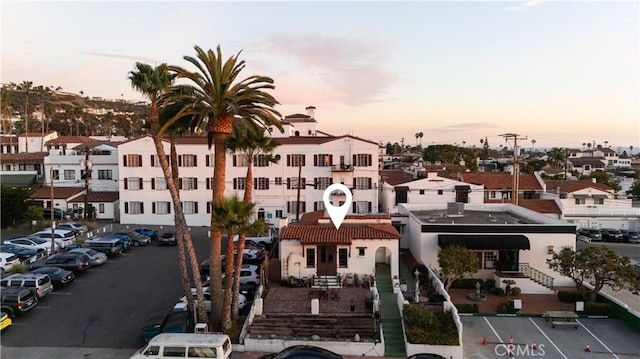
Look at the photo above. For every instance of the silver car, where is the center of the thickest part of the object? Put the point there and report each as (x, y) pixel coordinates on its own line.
(95, 257)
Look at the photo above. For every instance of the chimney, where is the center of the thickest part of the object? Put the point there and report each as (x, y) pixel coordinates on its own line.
(311, 112)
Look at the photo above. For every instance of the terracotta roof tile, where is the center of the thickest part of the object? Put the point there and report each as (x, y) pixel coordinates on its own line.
(29, 158)
(58, 192)
(8, 139)
(591, 161)
(572, 186)
(106, 197)
(540, 205)
(395, 177)
(69, 139)
(501, 180)
(328, 234)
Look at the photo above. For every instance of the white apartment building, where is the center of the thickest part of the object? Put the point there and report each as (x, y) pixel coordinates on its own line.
(317, 158)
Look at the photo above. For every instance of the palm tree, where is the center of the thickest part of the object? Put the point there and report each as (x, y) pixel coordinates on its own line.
(155, 83)
(231, 216)
(43, 94)
(630, 150)
(420, 134)
(215, 96)
(5, 101)
(584, 144)
(255, 147)
(417, 135)
(533, 143)
(26, 87)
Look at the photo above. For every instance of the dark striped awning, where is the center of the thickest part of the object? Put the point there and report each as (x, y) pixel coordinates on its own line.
(502, 241)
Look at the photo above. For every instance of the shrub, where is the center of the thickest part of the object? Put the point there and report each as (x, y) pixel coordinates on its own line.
(467, 308)
(506, 307)
(516, 291)
(19, 268)
(498, 291)
(34, 213)
(468, 283)
(489, 284)
(569, 296)
(423, 327)
(600, 309)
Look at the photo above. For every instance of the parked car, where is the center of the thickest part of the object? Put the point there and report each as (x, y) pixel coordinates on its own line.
(110, 247)
(165, 322)
(242, 300)
(96, 258)
(40, 282)
(59, 277)
(168, 238)
(75, 262)
(35, 243)
(63, 237)
(249, 275)
(594, 234)
(611, 235)
(26, 255)
(426, 356)
(136, 238)
(153, 234)
(62, 227)
(303, 351)
(5, 321)
(125, 242)
(8, 260)
(192, 345)
(17, 300)
(57, 213)
(630, 236)
(81, 228)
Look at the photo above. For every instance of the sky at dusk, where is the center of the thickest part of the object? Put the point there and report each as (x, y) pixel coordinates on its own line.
(562, 73)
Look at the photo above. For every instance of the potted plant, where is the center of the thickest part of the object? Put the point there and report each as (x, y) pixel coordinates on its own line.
(356, 280)
(368, 301)
(509, 283)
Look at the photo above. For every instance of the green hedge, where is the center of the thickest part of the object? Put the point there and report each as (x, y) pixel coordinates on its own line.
(607, 309)
(468, 283)
(506, 307)
(569, 296)
(467, 308)
(423, 327)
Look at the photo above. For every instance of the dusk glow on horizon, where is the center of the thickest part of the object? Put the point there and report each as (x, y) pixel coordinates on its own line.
(562, 73)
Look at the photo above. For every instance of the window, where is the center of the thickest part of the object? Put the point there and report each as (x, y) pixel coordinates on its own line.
(361, 251)
(152, 350)
(101, 208)
(133, 183)
(342, 257)
(598, 201)
(311, 257)
(132, 160)
(161, 207)
(188, 161)
(528, 194)
(261, 183)
(56, 174)
(240, 161)
(69, 175)
(322, 182)
(440, 192)
(322, 160)
(421, 192)
(580, 200)
(318, 205)
(278, 181)
(401, 195)
(362, 182)
(189, 183)
(159, 183)
(292, 207)
(295, 160)
(279, 213)
(361, 207)
(490, 259)
(240, 183)
(261, 161)
(177, 352)
(104, 174)
(201, 352)
(292, 183)
(492, 194)
(362, 160)
(134, 207)
(190, 207)
(207, 161)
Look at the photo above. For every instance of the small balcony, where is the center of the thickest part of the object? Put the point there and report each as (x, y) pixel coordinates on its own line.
(342, 168)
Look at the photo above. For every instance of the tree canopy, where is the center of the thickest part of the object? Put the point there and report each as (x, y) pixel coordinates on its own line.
(451, 154)
(15, 201)
(605, 178)
(455, 262)
(596, 266)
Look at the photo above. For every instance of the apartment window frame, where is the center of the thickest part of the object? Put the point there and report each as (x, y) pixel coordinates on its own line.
(189, 183)
(310, 254)
(133, 183)
(343, 257)
(190, 207)
(105, 174)
(261, 183)
(188, 160)
(69, 175)
(323, 183)
(296, 160)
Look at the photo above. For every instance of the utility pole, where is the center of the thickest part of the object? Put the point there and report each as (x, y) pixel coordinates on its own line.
(515, 137)
(298, 195)
(53, 222)
(87, 175)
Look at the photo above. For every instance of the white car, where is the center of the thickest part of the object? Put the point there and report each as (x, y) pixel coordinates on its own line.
(95, 257)
(63, 237)
(75, 225)
(36, 243)
(242, 300)
(7, 260)
(249, 275)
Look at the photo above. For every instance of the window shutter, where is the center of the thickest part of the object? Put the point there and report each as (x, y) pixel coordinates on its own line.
(369, 160)
(140, 182)
(141, 207)
(303, 205)
(288, 207)
(180, 161)
(315, 206)
(126, 207)
(255, 183)
(180, 183)
(208, 183)
(235, 183)
(369, 186)
(288, 183)
(126, 183)
(288, 161)
(304, 160)
(315, 160)
(267, 180)
(168, 159)
(355, 207)
(331, 181)
(153, 183)
(206, 160)
(315, 184)
(354, 163)
(304, 183)
(124, 160)
(195, 183)
(153, 161)
(153, 207)
(370, 206)
(168, 207)
(195, 160)
(208, 207)
(235, 161)
(330, 160)
(195, 207)
(355, 182)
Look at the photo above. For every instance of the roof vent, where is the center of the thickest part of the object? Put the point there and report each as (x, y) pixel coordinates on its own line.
(455, 209)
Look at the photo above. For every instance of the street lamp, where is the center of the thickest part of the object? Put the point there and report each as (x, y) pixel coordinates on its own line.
(416, 297)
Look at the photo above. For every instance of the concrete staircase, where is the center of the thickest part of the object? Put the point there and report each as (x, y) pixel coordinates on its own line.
(327, 282)
(390, 318)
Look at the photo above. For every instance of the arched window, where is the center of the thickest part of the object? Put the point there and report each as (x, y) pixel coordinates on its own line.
(261, 213)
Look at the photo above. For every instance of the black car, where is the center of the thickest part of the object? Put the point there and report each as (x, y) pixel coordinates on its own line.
(75, 262)
(168, 238)
(25, 254)
(630, 236)
(17, 300)
(58, 276)
(303, 351)
(611, 235)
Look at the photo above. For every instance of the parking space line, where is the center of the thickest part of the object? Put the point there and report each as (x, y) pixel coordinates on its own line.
(493, 330)
(65, 293)
(549, 339)
(596, 338)
(41, 307)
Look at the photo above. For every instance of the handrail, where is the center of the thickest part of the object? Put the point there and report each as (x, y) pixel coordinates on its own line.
(538, 276)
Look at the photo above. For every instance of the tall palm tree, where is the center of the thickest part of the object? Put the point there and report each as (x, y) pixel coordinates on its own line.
(5, 101)
(255, 147)
(420, 134)
(26, 87)
(215, 96)
(43, 94)
(533, 143)
(155, 83)
(417, 135)
(232, 216)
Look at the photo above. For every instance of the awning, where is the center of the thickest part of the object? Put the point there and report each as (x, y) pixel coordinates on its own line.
(604, 196)
(502, 241)
(17, 180)
(464, 188)
(581, 196)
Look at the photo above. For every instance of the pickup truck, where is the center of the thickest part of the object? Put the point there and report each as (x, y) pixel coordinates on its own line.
(165, 322)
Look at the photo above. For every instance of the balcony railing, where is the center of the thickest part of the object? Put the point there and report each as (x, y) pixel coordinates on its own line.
(536, 275)
(342, 168)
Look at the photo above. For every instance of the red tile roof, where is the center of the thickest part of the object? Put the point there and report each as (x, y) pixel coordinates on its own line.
(27, 158)
(328, 234)
(69, 139)
(572, 186)
(501, 180)
(540, 205)
(106, 197)
(8, 139)
(44, 193)
(395, 177)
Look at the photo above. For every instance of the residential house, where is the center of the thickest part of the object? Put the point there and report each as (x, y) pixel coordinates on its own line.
(314, 247)
(9, 144)
(22, 169)
(59, 197)
(586, 165)
(498, 186)
(104, 205)
(35, 141)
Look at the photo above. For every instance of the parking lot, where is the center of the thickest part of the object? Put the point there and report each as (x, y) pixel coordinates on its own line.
(607, 338)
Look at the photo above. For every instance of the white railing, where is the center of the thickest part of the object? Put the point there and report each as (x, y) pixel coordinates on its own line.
(538, 276)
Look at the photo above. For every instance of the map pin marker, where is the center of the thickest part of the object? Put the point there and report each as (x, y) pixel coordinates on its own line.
(337, 214)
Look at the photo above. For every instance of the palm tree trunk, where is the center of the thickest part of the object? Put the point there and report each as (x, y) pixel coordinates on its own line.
(242, 235)
(228, 292)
